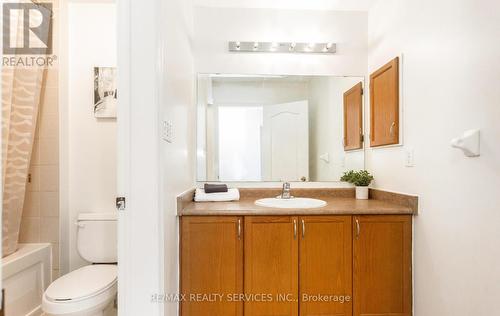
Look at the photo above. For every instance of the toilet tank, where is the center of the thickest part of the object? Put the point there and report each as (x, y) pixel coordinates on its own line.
(97, 237)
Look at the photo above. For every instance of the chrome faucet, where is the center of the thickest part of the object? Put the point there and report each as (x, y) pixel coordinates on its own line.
(285, 193)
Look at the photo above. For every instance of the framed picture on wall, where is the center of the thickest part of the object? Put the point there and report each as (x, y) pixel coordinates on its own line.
(105, 92)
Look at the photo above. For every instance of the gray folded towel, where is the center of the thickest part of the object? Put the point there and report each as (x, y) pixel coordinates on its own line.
(214, 188)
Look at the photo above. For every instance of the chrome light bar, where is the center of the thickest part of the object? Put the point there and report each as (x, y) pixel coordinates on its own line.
(282, 47)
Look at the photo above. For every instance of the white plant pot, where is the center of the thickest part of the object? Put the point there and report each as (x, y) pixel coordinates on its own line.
(362, 193)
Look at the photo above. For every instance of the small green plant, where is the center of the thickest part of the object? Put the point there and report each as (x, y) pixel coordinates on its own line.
(348, 175)
(360, 178)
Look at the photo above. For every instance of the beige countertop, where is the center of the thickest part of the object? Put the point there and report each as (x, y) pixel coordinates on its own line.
(339, 202)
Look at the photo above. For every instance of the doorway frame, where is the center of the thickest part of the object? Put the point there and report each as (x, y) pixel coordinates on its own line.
(140, 225)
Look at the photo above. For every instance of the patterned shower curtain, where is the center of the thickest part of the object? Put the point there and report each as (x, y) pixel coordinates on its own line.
(21, 90)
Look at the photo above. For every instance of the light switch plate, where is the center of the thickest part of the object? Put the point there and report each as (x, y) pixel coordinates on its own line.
(409, 157)
(167, 131)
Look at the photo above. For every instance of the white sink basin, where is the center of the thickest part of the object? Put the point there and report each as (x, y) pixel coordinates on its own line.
(291, 203)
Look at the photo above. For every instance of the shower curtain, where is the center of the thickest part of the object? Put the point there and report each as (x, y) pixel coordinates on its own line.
(21, 96)
(21, 90)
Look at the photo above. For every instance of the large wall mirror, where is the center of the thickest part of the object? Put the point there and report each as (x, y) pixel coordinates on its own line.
(278, 128)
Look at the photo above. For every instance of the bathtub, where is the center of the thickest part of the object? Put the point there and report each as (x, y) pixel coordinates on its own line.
(25, 276)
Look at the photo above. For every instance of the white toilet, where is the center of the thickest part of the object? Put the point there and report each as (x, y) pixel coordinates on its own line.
(90, 290)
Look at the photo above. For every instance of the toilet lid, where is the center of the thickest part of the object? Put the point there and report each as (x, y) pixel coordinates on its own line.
(84, 282)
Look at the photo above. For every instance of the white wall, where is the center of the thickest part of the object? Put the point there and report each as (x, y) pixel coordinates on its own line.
(451, 75)
(91, 143)
(326, 117)
(259, 92)
(214, 27)
(177, 104)
(338, 5)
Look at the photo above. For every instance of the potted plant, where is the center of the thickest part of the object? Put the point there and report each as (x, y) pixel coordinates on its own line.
(361, 179)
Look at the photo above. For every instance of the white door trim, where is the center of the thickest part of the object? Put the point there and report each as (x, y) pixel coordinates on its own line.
(140, 226)
(123, 148)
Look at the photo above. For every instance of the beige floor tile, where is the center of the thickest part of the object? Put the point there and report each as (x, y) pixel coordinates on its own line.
(55, 274)
(37, 128)
(49, 178)
(34, 184)
(49, 126)
(50, 101)
(30, 230)
(31, 204)
(48, 151)
(52, 78)
(35, 154)
(55, 256)
(49, 229)
(49, 204)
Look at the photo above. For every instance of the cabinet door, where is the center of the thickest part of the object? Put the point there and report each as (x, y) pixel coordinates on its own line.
(382, 265)
(271, 265)
(384, 105)
(211, 263)
(325, 265)
(353, 118)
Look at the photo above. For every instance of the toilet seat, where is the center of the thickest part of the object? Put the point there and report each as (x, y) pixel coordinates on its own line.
(81, 291)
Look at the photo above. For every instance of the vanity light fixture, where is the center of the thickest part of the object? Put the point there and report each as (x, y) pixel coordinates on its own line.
(310, 47)
(327, 47)
(282, 47)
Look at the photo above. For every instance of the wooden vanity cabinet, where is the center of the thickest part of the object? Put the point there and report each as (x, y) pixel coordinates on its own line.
(211, 263)
(271, 265)
(325, 265)
(276, 260)
(382, 246)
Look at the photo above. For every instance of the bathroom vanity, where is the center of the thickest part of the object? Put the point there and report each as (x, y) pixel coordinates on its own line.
(262, 256)
(350, 257)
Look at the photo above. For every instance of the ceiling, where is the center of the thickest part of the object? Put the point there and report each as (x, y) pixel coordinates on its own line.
(340, 5)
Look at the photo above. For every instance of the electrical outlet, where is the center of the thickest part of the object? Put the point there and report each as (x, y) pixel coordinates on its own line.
(167, 131)
(409, 157)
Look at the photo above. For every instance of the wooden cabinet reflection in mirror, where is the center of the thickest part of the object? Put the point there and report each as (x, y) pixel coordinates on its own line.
(353, 118)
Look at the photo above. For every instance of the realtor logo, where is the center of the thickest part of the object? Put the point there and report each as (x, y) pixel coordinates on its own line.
(27, 28)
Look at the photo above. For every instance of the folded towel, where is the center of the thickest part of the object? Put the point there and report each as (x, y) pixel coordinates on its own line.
(230, 195)
(213, 188)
